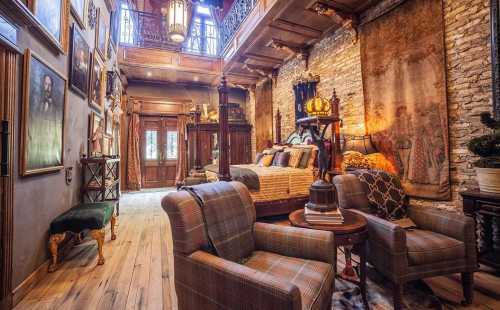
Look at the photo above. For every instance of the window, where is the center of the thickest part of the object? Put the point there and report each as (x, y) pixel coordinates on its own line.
(171, 145)
(126, 25)
(203, 37)
(151, 145)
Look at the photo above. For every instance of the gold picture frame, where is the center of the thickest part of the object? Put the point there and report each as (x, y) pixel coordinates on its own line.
(101, 36)
(47, 14)
(97, 85)
(79, 13)
(96, 135)
(45, 92)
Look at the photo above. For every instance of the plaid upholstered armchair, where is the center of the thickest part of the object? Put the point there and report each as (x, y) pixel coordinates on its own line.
(269, 266)
(443, 242)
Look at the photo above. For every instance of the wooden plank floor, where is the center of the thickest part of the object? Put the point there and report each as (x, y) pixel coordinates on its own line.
(138, 273)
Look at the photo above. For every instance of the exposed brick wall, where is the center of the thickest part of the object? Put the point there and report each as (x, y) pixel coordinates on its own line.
(467, 39)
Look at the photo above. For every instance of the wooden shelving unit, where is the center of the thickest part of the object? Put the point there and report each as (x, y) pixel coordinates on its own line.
(101, 180)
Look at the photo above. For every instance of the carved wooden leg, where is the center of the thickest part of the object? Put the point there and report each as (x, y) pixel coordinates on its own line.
(468, 287)
(98, 235)
(397, 295)
(113, 225)
(54, 241)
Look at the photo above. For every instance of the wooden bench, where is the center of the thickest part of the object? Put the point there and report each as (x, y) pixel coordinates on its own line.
(89, 216)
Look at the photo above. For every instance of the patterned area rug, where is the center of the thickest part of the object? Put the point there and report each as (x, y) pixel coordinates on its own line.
(417, 295)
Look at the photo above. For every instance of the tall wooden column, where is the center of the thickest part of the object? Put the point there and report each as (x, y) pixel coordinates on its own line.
(197, 145)
(224, 173)
(278, 127)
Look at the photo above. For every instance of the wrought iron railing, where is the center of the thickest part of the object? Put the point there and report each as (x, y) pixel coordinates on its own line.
(144, 29)
(234, 18)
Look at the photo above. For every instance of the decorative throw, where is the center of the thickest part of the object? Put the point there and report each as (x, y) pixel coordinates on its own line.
(385, 193)
(228, 218)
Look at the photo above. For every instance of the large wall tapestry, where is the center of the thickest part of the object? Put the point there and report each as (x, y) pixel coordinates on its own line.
(404, 84)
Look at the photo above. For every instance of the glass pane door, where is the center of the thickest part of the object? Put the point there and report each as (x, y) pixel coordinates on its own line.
(151, 145)
(171, 147)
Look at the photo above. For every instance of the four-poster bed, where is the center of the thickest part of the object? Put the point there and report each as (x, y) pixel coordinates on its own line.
(280, 190)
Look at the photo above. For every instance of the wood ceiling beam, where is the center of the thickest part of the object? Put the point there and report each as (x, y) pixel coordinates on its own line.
(263, 58)
(260, 70)
(331, 10)
(298, 29)
(301, 51)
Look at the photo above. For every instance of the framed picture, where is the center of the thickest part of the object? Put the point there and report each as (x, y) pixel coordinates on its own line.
(97, 82)
(42, 133)
(53, 15)
(96, 135)
(109, 122)
(106, 143)
(101, 35)
(80, 63)
(78, 9)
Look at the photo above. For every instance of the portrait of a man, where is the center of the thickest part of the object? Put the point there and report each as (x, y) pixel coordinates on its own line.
(43, 117)
(96, 96)
(96, 135)
(80, 57)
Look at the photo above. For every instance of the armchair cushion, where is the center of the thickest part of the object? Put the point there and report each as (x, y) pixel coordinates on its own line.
(296, 242)
(314, 279)
(427, 247)
(385, 193)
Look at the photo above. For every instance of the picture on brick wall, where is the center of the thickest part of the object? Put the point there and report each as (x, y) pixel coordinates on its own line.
(43, 117)
(404, 82)
(80, 63)
(101, 34)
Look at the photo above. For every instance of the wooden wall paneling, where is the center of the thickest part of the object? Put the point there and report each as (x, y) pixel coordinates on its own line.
(8, 94)
(263, 115)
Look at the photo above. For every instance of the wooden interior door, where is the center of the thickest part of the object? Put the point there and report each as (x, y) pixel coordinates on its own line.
(159, 151)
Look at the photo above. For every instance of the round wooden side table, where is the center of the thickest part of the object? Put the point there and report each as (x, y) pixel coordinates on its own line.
(352, 234)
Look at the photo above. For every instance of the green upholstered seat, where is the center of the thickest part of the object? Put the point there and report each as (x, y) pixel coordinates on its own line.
(85, 216)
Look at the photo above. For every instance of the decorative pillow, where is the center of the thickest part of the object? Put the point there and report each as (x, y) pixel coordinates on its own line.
(281, 159)
(312, 159)
(275, 159)
(385, 194)
(266, 160)
(295, 156)
(258, 157)
(306, 154)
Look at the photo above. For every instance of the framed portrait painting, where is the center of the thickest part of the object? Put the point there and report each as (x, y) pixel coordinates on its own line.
(101, 35)
(42, 118)
(96, 135)
(53, 15)
(97, 82)
(80, 63)
(78, 9)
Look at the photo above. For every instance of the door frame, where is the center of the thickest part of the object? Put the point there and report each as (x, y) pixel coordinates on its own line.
(8, 103)
(142, 145)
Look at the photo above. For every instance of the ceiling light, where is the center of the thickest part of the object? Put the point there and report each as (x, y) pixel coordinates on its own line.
(177, 20)
(149, 74)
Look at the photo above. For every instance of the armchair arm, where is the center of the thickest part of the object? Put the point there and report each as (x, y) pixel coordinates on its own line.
(237, 285)
(387, 246)
(296, 242)
(453, 225)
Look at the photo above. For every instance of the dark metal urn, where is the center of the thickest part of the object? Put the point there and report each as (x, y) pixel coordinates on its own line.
(322, 197)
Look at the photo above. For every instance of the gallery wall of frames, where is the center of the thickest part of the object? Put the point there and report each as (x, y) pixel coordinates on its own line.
(68, 95)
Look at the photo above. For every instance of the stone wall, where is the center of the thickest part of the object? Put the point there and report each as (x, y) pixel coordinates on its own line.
(467, 39)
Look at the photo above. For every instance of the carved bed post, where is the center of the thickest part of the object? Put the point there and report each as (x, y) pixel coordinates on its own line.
(224, 173)
(278, 127)
(197, 144)
(336, 151)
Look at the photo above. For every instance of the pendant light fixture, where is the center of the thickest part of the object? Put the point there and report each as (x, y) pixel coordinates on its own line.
(177, 20)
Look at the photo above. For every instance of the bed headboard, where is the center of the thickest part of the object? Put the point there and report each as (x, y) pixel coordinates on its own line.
(297, 138)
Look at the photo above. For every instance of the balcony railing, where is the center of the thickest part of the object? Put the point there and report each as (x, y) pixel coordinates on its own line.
(144, 29)
(234, 18)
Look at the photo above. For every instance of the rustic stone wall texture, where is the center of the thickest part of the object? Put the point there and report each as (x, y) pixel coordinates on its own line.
(467, 39)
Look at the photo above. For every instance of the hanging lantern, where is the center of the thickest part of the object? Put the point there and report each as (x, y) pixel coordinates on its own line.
(177, 20)
(318, 106)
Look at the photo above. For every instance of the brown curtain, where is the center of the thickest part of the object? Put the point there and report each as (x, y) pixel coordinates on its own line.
(181, 142)
(133, 156)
